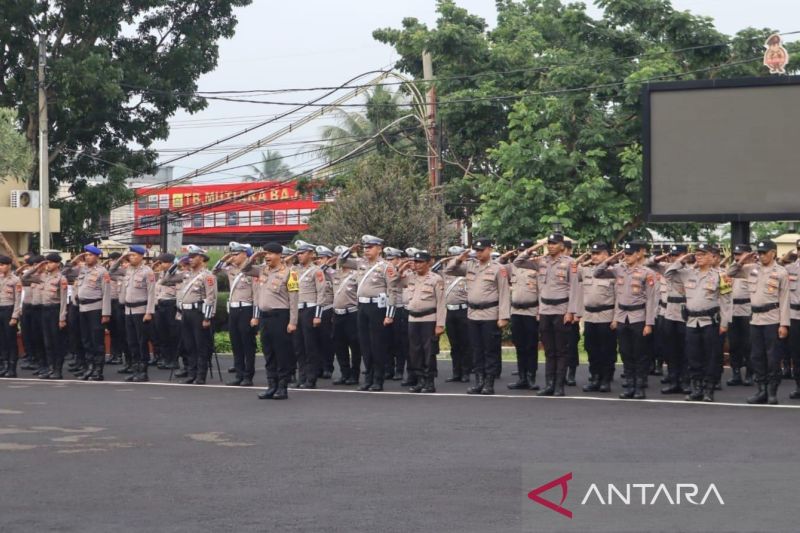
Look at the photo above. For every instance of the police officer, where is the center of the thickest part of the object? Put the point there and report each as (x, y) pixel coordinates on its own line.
(53, 312)
(708, 313)
(739, 329)
(116, 328)
(242, 320)
(456, 323)
(489, 302)
(32, 320)
(139, 299)
(673, 332)
(74, 342)
(596, 302)
(176, 275)
(558, 297)
(635, 313)
(377, 291)
(398, 347)
(345, 322)
(326, 261)
(426, 319)
(166, 327)
(93, 289)
(311, 305)
(277, 289)
(524, 318)
(575, 335)
(10, 310)
(769, 328)
(793, 270)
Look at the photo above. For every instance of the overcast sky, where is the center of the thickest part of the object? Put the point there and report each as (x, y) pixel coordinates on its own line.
(313, 43)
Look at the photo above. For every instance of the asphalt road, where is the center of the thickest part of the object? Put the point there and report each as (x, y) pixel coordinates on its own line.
(109, 456)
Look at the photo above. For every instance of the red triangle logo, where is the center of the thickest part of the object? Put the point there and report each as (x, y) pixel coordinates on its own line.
(535, 494)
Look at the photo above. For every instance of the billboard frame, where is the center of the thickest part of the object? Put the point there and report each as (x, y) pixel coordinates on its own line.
(733, 83)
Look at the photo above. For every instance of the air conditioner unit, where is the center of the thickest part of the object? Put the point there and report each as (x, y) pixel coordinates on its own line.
(25, 199)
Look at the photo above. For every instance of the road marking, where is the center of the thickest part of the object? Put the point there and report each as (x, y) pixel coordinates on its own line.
(215, 437)
(9, 412)
(252, 390)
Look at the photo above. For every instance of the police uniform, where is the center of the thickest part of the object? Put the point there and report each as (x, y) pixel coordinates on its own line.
(345, 324)
(53, 315)
(457, 324)
(116, 327)
(739, 329)
(198, 296)
(311, 305)
(636, 304)
(573, 358)
(139, 300)
(166, 327)
(327, 349)
(769, 301)
(376, 291)
(708, 308)
(174, 278)
(241, 311)
(74, 339)
(398, 331)
(10, 310)
(524, 321)
(93, 289)
(32, 338)
(488, 301)
(276, 300)
(558, 295)
(596, 302)
(426, 312)
(793, 269)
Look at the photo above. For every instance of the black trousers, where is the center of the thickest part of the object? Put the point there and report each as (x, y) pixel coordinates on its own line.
(600, 342)
(8, 336)
(345, 341)
(633, 348)
(327, 348)
(374, 339)
(197, 342)
(139, 334)
(766, 351)
(574, 341)
(53, 337)
(118, 329)
(525, 336)
(421, 356)
(399, 343)
(659, 340)
(166, 331)
(93, 336)
(485, 337)
(457, 327)
(74, 341)
(556, 338)
(704, 353)
(277, 343)
(794, 346)
(243, 341)
(674, 343)
(32, 334)
(307, 344)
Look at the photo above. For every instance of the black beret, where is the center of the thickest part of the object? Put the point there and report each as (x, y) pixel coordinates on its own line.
(678, 249)
(708, 247)
(632, 247)
(599, 247)
(166, 258)
(422, 255)
(524, 244)
(37, 259)
(742, 249)
(483, 243)
(273, 247)
(555, 238)
(766, 245)
(114, 255)
(53, 257)
(5, 260)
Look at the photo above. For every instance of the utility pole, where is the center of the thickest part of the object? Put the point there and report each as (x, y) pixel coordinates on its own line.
(44, 151)
(431, 126)
(163, 230)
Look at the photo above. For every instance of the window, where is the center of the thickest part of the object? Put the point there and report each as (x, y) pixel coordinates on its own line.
(305, 214)
(269, 218)
(280, 218)
(187, 222)
(255, 218)
(219, 220)
(208, 220)
(141, 202)
(197, 221)
(233, 218)
(292, 217)
(244, 218)
(148, 222)
(163, 201)
(152, 201)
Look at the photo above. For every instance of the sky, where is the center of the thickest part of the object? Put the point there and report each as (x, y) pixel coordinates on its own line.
(316, 43)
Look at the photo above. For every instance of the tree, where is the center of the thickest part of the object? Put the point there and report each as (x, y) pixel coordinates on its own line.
(272, 167)
(16, 156)
(116, 71)
(382, 196)
(562, 144)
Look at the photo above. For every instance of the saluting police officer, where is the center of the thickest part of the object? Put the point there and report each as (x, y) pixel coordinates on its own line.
(10, 310)
(635, 313)
(739, 329)
(93, 289)
(345, 321)
(31, 321)
(793, 269)
(558, 297)
(53, 313)
(311, 305)
(769, 328)
(596, 302)
(326, 261)
(242, 315)
(489, 302)
(277, 289)
(166, 329)
(116, 328)
(708, 313)
(398, 331)
(139, 299)
(456, 323)
(377, 291)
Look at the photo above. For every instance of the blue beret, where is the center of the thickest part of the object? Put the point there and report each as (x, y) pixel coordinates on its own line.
(92, 250)
(137, 249)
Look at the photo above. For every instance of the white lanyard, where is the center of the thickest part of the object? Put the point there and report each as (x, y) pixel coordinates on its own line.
(186, 288)
(344, 283)
(236, 281)
(376, 265)
(451, 287)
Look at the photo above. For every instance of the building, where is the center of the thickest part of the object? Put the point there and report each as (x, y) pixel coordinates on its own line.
(19, 213)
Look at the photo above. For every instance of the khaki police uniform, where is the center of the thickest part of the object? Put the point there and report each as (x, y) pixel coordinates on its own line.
(10, 309)
(139, 299)
(345, 325)
(426, 311)
(596, 303)
(241, 310)
(198, 297)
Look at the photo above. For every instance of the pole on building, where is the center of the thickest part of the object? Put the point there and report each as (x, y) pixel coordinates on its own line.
(163, 230)
(431, 126)
(740, 232)
(44, 151)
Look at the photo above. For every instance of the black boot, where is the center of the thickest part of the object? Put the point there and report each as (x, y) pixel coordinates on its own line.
(628, 388)
(97, 375)
(429, 387)
(455, 378)
(411, 381)
(760, 396)
(522, 382)
(352, 379)
(488, 386)
(593, 385)
(478, 387)
(127, 369)
(377, 385)
(418, 385)
(674, 386)
(309, 384)
(142, 376)
(605, 385)
(281, 392)
(558, 389)
(697, 391)
(772, 389)
(58, 366)
(11, 370)
(549, 389)
(708, 395)
(367, 382)
(571, 377)
(88, 373)
(136, 369)
(638, 390)
(658, 369)
(532, 380)
(269, 392)
(795, 394)
(748, 378)
(736, 378)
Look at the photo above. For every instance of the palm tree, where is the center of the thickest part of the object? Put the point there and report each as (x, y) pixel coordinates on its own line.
(271, 168)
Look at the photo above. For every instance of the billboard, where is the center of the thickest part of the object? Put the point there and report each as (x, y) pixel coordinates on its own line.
(224, 210)
(722, 150)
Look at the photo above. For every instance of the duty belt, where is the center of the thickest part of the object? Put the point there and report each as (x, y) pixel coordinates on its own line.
(365, 300)
(191, 306)
(135, 304)
(704, 313)
(236, 305)
(765, 308)
(741, 301)
(456, 307)
(676, 299)
(88, 302)
(529, 305)
(483, 306)
(419, 314)
(346, 311)
(630, 308)
(305, 305)
(558, 301)
(599, 308)
(794, 307)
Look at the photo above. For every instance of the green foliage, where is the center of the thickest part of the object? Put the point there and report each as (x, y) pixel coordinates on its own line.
(272, 167)
(16, 156)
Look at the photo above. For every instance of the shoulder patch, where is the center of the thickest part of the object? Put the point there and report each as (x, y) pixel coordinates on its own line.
(63, 283)
(503, 272)
(210, 281)
(151, 277)
(390, 270)
(106, 277)
(651, 279)
(291, 283)
(320, 276)
(574, 268)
